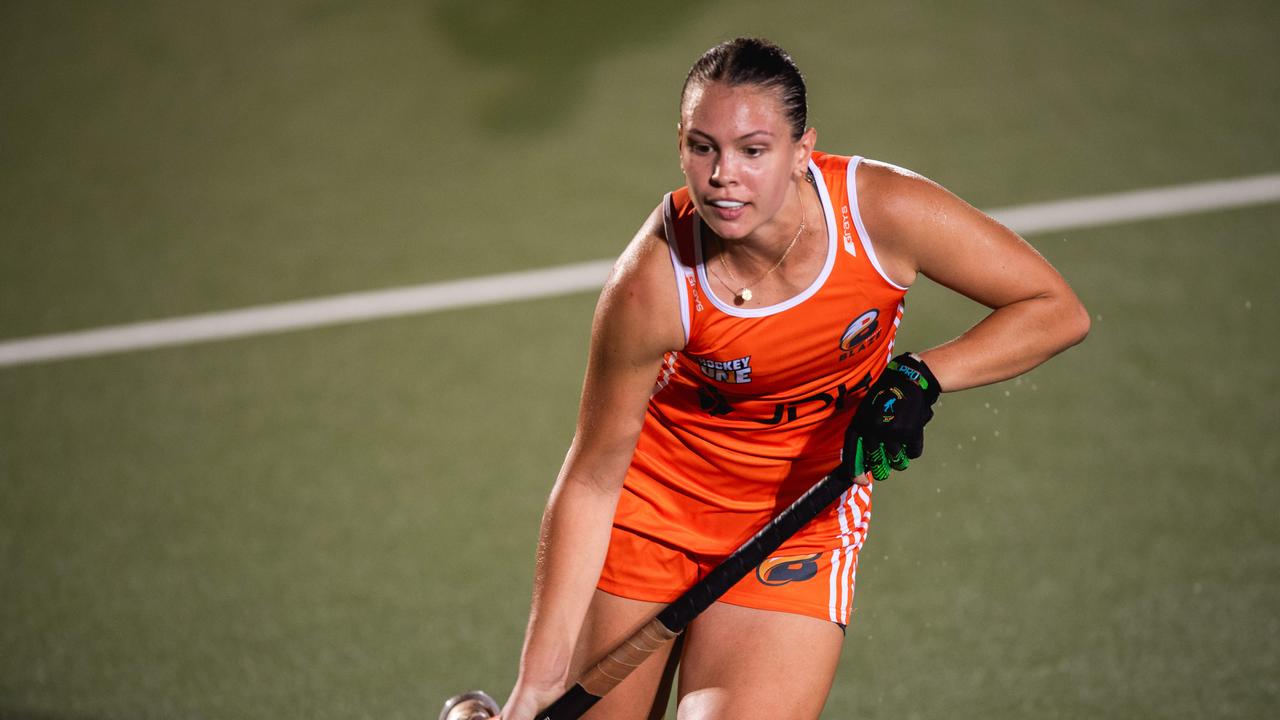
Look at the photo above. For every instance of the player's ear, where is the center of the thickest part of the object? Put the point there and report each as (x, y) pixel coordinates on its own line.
(809, 139)
(804, 148)
(680, 143)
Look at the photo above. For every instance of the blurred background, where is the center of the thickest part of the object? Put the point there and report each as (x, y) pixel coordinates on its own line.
(340, 522)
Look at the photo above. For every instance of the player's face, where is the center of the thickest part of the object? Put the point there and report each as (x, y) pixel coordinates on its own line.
(738, 157)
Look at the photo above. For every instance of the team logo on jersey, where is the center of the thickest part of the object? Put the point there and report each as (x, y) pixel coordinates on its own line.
(860, 333)
(735, 371)
(787, 568)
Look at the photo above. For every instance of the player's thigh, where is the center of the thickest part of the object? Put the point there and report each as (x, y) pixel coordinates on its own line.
(743, 663)
(610, 620)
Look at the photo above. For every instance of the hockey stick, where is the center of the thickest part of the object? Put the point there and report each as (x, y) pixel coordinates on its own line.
(673, 619)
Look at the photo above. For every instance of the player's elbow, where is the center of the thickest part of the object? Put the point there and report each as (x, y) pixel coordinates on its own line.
(1075, 324)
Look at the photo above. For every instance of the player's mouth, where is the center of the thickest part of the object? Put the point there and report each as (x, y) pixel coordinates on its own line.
(727, 210)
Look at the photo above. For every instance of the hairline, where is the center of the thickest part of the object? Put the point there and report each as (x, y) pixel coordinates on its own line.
(778, 87)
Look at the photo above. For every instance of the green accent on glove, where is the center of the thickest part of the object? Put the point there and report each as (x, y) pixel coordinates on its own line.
(887, 428)
(879, 464)
(899, 460)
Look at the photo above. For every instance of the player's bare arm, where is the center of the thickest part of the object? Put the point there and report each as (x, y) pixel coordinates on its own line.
(919, 227)
(637, 320)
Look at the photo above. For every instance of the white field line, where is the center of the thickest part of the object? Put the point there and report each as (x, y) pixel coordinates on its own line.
(1163, 202)
(566, 279)
(281, 317)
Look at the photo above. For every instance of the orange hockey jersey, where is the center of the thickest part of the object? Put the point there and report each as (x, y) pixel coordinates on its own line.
(753, 410)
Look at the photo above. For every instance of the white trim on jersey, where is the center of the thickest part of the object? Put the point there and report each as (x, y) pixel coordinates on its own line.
(852, 183)
(672, 248)
(897, 320)
(789, 303)
(664, 377)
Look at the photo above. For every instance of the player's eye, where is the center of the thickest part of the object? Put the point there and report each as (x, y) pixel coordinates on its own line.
(699, 148)
(753, 151)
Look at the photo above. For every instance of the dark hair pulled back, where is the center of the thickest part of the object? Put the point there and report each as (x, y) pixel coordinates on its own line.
(754, 61)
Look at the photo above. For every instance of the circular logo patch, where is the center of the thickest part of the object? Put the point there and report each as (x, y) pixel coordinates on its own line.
(860, 330)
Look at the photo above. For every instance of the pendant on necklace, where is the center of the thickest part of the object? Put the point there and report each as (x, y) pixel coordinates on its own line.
(744, 296)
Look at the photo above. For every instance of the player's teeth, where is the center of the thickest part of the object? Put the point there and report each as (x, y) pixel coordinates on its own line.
(727, 203)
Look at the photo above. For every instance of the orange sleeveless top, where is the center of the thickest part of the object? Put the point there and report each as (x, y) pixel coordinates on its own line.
(753, 410)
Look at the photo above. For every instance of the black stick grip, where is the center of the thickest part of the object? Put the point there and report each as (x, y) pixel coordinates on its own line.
(570, 706)
(751, 553)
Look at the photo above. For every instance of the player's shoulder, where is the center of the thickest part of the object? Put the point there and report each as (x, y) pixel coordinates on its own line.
(891, 197)
(872, 176)
(646, 257)
(886, 182)
(902, 212)
(641, 289)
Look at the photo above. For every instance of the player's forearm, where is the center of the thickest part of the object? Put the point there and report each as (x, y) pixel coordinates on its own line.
(571, 551)
(1010, 341)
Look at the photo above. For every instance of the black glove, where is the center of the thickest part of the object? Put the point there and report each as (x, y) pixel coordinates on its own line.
(888, 426)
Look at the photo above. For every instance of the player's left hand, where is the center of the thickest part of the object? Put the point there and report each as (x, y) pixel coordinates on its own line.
(888, 427)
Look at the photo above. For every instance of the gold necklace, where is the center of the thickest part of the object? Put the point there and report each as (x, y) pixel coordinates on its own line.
(744, 295)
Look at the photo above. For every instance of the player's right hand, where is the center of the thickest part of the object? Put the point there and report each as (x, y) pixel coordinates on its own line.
(888, 427)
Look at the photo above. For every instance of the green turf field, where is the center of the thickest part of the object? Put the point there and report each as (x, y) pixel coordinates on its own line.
(339, 523)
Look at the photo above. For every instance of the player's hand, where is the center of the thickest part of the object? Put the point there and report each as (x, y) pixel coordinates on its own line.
(888, 427)
(527, 699)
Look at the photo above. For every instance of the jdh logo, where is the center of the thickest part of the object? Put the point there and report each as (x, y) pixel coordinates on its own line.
(714, 403)
(789, 412)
